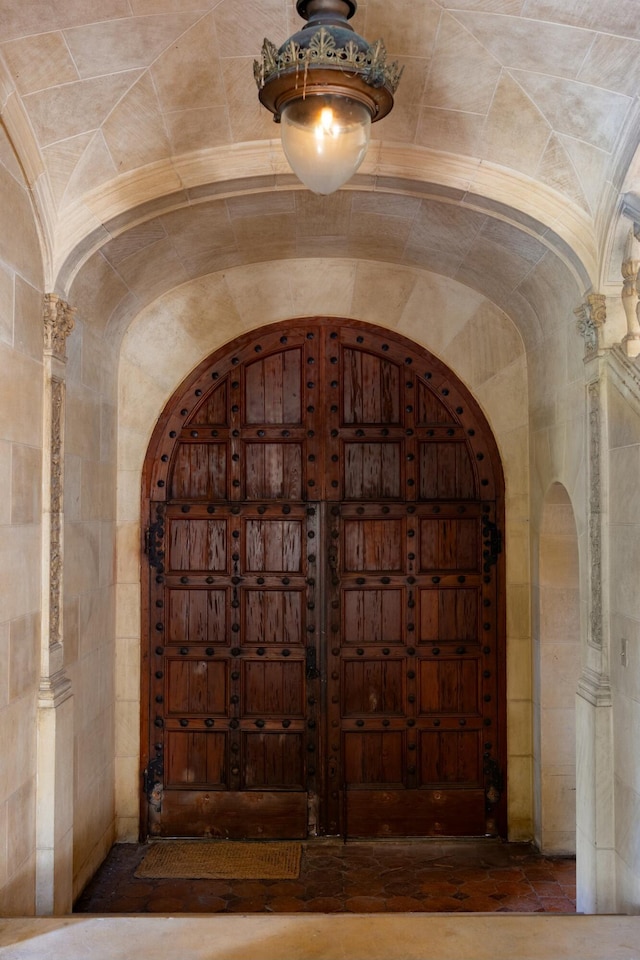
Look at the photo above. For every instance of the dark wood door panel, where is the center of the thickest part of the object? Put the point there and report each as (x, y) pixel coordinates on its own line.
(430, 410)
(374, 757)
(273, 471)
(273, 688)
(197, 544)
(373, 545)
(371, 391)
(414, 708)
(449, 686)
(196, 759)
(229, 691)
(200, 472)
(415, 813)
(273, 545)
(325, 622)
(450, 544)
(273, 761)
(198, 615)
(450, 758)
(213, 410)
(274, 616)
(446, 471)
(373, 687)
(196, 687)
(372, 471)
(230, 815)
(412, 674)
(273, 389)
(449, 614)
(373, 615)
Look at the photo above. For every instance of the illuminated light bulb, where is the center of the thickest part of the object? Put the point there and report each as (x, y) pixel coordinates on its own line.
(327, 124)
(326, 85)
(325, 139)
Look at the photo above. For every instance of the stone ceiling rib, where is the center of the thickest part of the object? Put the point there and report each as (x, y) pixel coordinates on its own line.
(427, 234)
(166, 186)
(509, 109)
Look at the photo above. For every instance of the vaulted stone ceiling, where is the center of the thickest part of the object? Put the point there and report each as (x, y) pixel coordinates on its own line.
(139, 127)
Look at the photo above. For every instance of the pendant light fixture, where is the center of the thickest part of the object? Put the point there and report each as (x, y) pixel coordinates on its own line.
(326, 86)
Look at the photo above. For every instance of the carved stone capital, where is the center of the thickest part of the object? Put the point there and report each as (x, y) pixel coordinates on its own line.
(586, 329)
(592, 316)
(598, 308)
(58, 324)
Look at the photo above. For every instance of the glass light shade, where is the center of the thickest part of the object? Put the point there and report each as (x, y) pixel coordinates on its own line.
(325, 139)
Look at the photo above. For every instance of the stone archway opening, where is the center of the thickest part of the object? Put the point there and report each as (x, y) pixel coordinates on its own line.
(325, 602)
(556, 674)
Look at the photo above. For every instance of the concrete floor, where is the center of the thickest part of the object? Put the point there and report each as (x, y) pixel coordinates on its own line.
(323, 937)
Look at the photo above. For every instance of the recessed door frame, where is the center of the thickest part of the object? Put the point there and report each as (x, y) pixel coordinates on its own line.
(325, 479)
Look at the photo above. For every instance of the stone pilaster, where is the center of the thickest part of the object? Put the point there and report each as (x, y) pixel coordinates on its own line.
(54, 796)
(595, 816)
(630, 301)
(592, 316)
(58, 324)
(608, 371)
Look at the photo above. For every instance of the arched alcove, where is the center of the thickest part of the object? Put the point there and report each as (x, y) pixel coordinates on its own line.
(468, 333)
(317, 479)
(556, 673)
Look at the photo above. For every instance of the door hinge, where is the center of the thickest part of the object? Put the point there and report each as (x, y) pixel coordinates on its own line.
(492, 543)
(494, 782)
(152, 778)
(153, 543)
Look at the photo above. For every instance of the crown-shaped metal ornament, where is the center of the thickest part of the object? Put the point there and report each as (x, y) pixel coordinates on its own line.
(327, 56)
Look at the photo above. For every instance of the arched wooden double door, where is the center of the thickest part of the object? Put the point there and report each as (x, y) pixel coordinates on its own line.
(325, 637)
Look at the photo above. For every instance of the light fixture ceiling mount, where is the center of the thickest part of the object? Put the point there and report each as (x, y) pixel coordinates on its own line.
(326, 84)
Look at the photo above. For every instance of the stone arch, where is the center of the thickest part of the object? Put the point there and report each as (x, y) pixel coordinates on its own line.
(213, 658)
(469, 333)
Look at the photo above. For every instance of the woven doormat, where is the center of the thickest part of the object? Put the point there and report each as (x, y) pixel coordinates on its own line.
(220, 860)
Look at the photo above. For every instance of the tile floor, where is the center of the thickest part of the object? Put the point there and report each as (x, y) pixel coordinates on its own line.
(427, 876)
